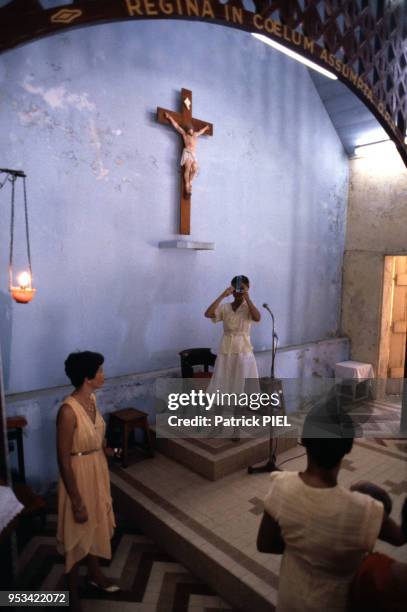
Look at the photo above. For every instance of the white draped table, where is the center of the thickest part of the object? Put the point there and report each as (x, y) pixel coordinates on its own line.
(354, 369)
(9, 507)
(356, 373)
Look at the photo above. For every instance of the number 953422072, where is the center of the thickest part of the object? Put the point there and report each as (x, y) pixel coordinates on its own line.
(34, 598)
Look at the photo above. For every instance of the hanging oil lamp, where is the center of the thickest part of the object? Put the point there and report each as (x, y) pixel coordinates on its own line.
(24, 291)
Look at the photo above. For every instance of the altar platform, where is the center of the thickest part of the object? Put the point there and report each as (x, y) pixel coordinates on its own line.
(216, 458)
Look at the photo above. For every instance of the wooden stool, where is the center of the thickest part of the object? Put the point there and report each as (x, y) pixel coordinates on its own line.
(127, 420)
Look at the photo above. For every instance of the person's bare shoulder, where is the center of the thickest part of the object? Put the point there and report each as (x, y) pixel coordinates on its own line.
(66, 417)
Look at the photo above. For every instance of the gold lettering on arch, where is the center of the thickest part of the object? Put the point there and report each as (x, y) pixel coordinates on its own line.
(309, 44)
(257, 21)
(166, 7)
(133, 7)
(237, 15)
(207, 10)
(150, 8)
(192, 7)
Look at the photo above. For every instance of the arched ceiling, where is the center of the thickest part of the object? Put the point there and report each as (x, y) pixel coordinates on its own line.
(363, 42)
(352, 120)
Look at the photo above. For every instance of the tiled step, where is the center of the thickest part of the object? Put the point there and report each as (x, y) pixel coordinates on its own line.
(215, 458)
(215, 542)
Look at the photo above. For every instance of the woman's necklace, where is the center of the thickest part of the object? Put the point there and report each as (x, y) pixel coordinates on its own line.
(89, 406)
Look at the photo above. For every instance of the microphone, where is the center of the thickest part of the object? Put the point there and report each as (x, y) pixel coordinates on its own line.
(267, 307)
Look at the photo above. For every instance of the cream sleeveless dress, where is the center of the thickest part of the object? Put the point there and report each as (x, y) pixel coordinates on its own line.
(76, 540)
(235, 365)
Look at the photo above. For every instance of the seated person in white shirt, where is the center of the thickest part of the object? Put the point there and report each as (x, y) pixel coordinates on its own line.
(322, 529)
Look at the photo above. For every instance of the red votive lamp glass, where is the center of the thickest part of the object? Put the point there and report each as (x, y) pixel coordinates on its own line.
(25, 292)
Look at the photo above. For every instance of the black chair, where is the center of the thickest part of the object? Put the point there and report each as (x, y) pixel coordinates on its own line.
(196, 357)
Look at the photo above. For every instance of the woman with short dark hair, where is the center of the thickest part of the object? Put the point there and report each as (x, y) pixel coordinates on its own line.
(85, 515)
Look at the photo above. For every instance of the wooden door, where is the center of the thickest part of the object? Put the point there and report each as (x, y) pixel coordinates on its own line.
(398, 327)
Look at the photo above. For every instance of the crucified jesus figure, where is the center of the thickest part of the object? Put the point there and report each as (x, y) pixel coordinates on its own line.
(188, 159)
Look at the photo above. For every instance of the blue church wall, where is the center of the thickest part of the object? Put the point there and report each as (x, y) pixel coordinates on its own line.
(77, 113)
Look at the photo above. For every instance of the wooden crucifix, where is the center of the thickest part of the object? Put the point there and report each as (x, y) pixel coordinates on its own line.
(189, 128)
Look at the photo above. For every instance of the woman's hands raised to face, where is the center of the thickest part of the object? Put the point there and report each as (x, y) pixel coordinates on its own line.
(244, 291)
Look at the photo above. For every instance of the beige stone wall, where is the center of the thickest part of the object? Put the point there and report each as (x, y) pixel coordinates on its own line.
(376, 226)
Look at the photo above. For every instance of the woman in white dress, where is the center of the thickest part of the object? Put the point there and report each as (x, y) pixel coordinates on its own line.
(235, 362)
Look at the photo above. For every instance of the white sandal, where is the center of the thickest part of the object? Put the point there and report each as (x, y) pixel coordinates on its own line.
(113, 588)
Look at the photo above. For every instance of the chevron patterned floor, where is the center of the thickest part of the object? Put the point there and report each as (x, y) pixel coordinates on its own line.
(218, 522)
(151, 580)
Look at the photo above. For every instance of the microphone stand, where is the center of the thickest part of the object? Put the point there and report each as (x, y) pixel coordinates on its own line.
(270, 465)
(275, 341)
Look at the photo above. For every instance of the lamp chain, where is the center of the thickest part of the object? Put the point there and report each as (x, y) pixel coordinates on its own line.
(10, 265)
(27, 233)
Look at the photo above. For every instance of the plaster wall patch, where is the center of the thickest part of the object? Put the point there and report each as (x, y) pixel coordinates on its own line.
(59, 97)
(97, 166)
